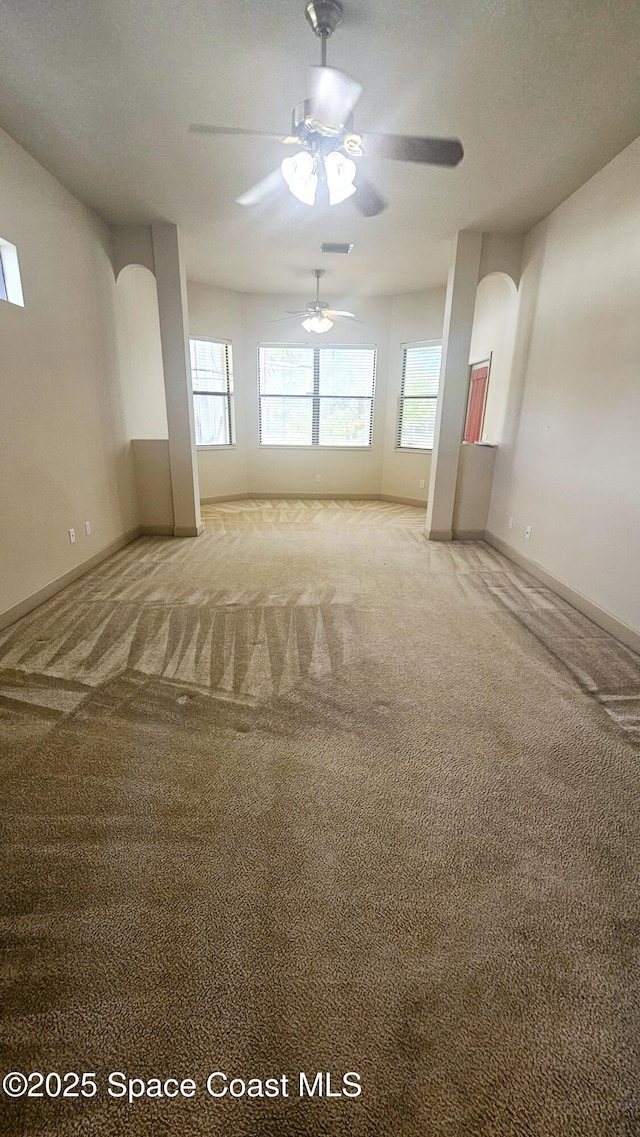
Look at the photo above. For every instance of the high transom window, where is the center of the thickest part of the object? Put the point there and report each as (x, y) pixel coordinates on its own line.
(316, 395)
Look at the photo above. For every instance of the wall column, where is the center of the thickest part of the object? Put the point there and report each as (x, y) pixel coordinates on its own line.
(174, 336)
(454, 374)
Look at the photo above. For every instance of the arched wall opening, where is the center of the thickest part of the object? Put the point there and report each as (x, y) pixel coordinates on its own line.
(143, 395)
(140, 353)
(492, 337)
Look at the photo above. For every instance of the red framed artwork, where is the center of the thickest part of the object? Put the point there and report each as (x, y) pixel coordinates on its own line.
(478, 385)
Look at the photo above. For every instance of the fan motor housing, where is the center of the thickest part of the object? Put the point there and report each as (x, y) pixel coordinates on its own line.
(303, 124)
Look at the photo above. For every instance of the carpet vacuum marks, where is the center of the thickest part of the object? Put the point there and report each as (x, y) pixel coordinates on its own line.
(312, 827)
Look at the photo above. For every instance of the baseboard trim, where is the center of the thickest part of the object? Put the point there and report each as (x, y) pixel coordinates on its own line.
(188, 530)
(35, 599)
(468, 534)
(439, 534)
(156, 530)
(600, 616)
(422, 502)
(312, 496)
(222, 497)
(321, 496)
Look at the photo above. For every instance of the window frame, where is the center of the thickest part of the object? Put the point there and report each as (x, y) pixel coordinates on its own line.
(228, 394)
(316, 397)
(10, 271)
(402, 397)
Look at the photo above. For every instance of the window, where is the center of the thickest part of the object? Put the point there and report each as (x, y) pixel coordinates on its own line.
(419, 395)
(212, 385)
(316, 396)
(10, 283)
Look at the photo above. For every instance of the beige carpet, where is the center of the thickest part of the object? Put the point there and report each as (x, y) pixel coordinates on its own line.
(312, 794)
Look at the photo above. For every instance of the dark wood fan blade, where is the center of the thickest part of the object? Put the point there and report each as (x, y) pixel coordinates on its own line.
(409, 148)
(366, 199)
(202, 128)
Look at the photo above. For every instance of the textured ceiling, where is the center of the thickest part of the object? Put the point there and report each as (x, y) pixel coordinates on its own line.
(542, 95)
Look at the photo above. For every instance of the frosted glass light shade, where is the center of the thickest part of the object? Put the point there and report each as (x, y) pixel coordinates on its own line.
(299, 172)
(340, 174)
(317, 324)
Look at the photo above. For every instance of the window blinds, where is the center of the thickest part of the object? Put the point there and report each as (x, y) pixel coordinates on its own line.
(316, 396)
(211, 381)
(419, 395)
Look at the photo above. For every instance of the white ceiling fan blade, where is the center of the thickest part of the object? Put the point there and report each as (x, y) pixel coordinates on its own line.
(334, 94)
(262, 189)
(335, 312)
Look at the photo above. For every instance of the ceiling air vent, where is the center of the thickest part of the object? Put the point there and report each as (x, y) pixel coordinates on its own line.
(335, 247)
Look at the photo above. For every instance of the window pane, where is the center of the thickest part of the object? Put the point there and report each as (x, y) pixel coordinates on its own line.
(286, 422)
(211, 417)
(286, 370)
(417, 425)
(345, 422)
(421, 371)
(208, 366)
(347, 371)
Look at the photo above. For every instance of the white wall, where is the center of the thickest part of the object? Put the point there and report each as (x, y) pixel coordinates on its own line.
(64, 457)
(569, 465)
(293, 469)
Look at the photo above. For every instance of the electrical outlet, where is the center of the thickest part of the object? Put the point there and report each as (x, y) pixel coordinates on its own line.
(421, 483)
(527, 532)
(510, 523)
(318, 477)
(87, 528)
(72, 536)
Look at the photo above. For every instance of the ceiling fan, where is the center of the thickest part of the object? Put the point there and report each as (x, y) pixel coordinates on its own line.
(319, 317)
(322, 129)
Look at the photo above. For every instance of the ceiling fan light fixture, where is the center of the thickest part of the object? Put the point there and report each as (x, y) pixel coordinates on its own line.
(317, 324)
(340, 172)
(300, 174)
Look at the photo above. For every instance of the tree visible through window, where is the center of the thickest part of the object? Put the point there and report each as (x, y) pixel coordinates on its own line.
(419, 395)
(316, 396)
(212, 385)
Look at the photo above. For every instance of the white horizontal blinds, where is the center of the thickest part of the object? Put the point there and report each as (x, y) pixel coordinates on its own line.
(419, 395)
(286, 382)
(345, 393)
(315, 396)
(212, 384)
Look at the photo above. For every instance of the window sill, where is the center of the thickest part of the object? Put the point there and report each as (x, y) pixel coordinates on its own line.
(216, 446)
(315, 449)
(413, 449)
